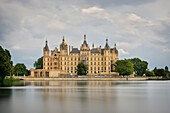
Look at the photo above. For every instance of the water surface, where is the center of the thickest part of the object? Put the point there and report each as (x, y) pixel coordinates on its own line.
(86, 97)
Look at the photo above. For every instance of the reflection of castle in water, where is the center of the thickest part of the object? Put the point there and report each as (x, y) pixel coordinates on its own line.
(81, 91)
(73, 84)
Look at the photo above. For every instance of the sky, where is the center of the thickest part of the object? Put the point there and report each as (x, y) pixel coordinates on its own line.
(140, 28)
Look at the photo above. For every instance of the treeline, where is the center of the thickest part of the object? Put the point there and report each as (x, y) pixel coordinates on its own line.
(6, 65)
(139, 67)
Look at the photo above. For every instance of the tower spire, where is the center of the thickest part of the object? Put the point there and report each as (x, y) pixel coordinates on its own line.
(106, 40)
(84, 37)
(46, 45)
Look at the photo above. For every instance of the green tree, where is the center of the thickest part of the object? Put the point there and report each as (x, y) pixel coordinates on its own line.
(139, 66)
(124, 67)
(5, 63)
(166, 71)
(20, 69)
(81, 69)
(160, 72)
(150, 73)
(39, 63)
(154, 70)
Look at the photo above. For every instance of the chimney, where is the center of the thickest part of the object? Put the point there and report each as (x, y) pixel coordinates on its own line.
(93, 45)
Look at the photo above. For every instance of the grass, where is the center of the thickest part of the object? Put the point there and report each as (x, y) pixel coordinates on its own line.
(8, 81)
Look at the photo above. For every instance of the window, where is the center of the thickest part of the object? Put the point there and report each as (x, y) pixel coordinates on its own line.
(98, 63)
(98, 58)
(65, 63)
(94, 63)
(75, 58)
(91, 63)
(91, 68)
(94, 68)
(71, 58)
(71, 63)
(94, 58)
(102, 58)
(71, 68)
(68, 68)
(102, 63)
(87, 59)
(91, 59)
(98, 68)
(75, 63)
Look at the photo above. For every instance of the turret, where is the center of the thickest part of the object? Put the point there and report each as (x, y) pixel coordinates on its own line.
(93, 45)
(107, 45)
(46, 49)
(63, 47)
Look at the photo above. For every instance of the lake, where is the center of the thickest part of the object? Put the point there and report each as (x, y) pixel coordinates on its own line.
(86, 97)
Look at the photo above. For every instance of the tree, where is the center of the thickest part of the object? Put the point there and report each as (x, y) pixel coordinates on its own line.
(139, 66)
(154, 70)
(166, 71)
(124, 67)
(39, 63)
(81, 69)
(5, 63)
(150, 73)
(20, 69)
(160, 72)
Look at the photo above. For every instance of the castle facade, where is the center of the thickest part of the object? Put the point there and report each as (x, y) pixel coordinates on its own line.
(99, 61)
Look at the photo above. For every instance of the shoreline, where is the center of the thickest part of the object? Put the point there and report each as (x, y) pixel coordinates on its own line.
(86, 79)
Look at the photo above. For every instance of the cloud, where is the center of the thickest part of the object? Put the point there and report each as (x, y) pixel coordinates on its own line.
(92, 10)
(16, 47)
(166, 50)
(132, 24)
(122, 51)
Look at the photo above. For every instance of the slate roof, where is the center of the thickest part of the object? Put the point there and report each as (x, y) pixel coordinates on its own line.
(107, 46)
(75, 50)
(102, 51)
(95, 50)
(46, 46)
(85, 42)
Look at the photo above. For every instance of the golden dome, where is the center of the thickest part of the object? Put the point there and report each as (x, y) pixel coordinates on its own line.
(65, 43)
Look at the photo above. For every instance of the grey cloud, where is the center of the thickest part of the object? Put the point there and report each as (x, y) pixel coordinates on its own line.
(27, 24)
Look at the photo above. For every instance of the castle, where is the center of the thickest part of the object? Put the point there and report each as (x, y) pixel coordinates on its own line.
(99, 61)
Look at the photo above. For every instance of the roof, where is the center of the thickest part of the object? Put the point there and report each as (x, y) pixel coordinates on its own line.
(107, 46)
(102, 51)
(75, 50)
(85, 42)
(113, 50)
(46, 46)
(95, 50)
(63, 44)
